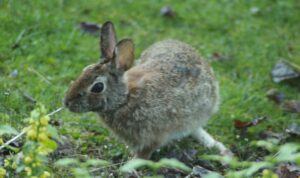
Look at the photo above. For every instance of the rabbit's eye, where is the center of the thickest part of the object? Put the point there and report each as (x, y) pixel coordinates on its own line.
(98, 87)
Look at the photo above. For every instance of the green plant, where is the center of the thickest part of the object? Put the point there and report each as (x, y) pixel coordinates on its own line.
(2, 172)
(80, 169)
(288, 152)
(38, 145)
(9, 163)
(167, 163)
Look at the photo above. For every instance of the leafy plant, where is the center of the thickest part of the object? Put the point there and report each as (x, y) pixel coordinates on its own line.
(9, 164)
(288, 152)
(80, 169)
(31, 161)
(7, 130)
(38, 143)
(168, 163)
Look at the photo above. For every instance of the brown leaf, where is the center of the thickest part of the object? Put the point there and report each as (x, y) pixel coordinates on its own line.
(292, 106)
(167, 11)
(90, 27)
(245, 124)
(218, 56)
(284, 70)
(276, 96)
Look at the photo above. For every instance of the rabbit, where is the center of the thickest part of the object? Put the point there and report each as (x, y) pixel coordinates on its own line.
(171, 93)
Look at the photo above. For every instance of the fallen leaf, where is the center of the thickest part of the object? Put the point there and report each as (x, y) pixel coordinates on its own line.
(284, 70)
(294, 129)
(276, 96)
(245, 124)
(292, 106)
(288, 170)
(219, 56)
(167, 11)
(90, 27)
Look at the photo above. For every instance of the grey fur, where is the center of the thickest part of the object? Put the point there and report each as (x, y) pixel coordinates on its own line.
(170, 94)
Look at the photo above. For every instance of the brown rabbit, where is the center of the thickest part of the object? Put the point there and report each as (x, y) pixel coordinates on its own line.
(170, 94)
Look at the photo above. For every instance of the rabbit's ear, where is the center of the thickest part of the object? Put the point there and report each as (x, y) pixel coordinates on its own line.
(108, 40)
(124, 54)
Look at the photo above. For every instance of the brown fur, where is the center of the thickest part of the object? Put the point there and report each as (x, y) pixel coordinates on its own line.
(169, 94)
(137, 78)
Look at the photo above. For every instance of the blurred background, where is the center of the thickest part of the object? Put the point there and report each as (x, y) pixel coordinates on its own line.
(45, 44)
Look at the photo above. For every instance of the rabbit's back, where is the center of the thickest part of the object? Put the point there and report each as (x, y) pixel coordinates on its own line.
(171, 93)
(181, 78)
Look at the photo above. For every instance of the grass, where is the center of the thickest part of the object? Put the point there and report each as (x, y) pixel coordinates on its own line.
(42, 38)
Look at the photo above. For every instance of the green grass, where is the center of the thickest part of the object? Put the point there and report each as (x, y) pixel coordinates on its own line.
(51, 44)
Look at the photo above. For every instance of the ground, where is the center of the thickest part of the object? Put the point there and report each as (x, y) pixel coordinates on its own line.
(42, 49)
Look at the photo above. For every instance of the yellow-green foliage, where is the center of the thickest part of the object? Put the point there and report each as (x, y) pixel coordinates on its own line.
(38, 144)
(2, 172)
(31, 160)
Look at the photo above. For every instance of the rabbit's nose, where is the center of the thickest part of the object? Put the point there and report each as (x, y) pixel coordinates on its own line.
(68, 99)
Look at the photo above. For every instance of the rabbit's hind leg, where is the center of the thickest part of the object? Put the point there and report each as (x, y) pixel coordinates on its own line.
(208, 141)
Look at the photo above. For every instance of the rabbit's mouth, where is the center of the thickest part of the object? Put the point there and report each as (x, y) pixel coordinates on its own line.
(76, 107)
